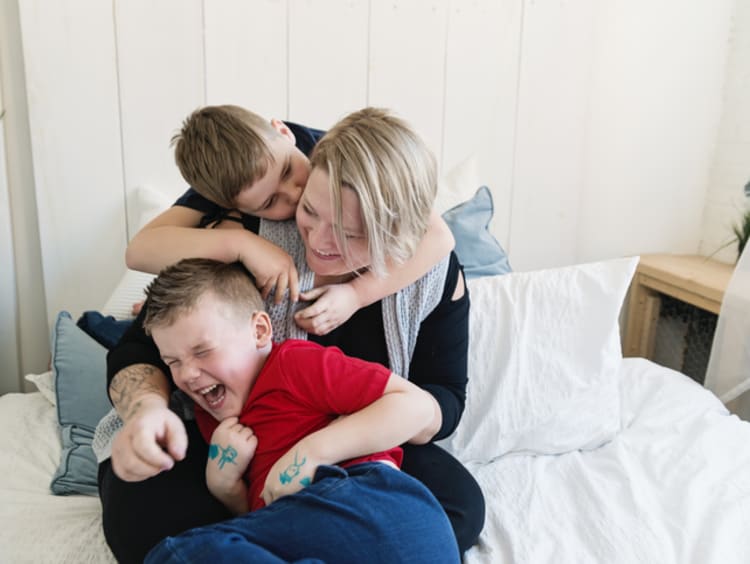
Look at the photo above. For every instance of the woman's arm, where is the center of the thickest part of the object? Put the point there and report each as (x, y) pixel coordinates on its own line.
(440, 361)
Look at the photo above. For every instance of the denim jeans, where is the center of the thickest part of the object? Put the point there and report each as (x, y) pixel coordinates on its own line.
(365, 513)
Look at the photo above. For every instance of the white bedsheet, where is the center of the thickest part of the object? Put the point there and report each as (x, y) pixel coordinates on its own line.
(673, 487)
(36, 526)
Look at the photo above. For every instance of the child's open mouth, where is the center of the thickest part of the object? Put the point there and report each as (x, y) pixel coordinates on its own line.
(213, 394)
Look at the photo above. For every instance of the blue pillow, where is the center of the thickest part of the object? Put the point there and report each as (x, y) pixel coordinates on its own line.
(79, 369)
(476, 248)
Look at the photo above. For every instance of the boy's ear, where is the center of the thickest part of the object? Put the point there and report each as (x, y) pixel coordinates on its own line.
(283, 130)
(263, 328)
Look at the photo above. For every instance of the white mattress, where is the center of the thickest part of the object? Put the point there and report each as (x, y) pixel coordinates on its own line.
(673, 487)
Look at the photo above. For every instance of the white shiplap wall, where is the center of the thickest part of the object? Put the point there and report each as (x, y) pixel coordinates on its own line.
(593, 121)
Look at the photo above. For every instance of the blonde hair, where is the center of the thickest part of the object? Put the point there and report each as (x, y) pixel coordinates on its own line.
(178, 289)
(392, 172)
(222, 149)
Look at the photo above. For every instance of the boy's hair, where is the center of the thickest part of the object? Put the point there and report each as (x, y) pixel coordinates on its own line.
(222, 149)
(178, 288)
(394, 175)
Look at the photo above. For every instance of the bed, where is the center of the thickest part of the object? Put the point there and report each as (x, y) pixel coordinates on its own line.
(583, 456)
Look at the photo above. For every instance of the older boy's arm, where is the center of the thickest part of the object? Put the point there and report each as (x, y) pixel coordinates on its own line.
(174, 235)
(403, 413)
(230, 452)
(435, 245)
(335, 304)
(152, 438)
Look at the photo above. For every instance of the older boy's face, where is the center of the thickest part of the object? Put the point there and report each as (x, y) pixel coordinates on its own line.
(213, 357)
(275, 195)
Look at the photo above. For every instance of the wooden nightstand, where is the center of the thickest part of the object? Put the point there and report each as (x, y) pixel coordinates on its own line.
(691, 279)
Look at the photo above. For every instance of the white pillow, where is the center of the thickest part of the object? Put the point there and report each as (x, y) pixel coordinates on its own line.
(544, 356)
(45, 383)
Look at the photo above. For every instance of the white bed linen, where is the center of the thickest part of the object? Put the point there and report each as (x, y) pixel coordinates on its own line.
(672, 487)
(36, 526)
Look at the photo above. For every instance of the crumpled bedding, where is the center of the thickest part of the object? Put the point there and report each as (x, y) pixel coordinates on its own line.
(672, 487)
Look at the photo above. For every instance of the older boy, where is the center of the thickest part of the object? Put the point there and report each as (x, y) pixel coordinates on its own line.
(272, 413)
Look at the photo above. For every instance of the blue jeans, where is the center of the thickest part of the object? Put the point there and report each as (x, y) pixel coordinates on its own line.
(365, 513)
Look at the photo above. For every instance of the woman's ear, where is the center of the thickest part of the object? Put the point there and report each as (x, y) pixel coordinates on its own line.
(283, 130)
(263, 328)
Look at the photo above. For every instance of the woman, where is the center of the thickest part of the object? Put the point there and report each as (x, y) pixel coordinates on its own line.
(371, 188)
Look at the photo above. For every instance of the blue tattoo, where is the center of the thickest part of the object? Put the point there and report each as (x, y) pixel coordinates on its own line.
(292, 470)
(305, 481)
(227, 454)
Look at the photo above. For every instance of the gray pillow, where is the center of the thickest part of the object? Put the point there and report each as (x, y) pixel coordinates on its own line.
(476, 248)
(79, 370)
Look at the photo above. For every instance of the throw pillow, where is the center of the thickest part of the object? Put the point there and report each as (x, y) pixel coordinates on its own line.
(476, 248)
(79, 369)
(544, 356)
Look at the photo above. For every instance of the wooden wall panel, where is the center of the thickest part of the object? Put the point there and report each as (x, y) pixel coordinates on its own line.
(246, 55)
(481, 80)
(328, 56)
(407, 63)
(557, 52)
(71, 81)
(161, 80)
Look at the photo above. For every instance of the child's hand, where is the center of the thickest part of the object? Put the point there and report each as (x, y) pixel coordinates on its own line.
(334, 304)
(289, 474)
(272, 266)
(231, 450)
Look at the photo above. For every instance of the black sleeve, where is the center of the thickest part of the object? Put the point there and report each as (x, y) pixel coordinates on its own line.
(214, 214)
(440, 359)
(134, 347)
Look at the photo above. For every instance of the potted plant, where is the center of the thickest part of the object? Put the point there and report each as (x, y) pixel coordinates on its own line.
(742, 228)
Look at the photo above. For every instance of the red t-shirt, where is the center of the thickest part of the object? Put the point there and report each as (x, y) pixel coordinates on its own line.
(302, 388)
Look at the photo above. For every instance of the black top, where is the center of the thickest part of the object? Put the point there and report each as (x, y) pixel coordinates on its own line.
(439, 362)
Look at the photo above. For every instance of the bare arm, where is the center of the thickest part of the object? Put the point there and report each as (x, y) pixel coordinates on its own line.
(337, 303)
(152, 438)
(437, 242)
(403, 412)
(174, 235)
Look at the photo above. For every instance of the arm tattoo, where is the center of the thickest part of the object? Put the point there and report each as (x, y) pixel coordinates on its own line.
(130, 382)
(226, 454)
(292, 470)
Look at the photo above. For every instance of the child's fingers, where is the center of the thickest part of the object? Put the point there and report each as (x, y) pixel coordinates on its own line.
(294, 285)
(309, 312)
(314, 293)
(281, 285)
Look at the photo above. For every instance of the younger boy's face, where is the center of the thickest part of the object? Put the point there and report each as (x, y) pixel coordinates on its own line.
(275, 195)
(213, 356)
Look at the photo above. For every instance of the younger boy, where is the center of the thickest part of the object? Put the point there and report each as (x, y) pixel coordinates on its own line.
(243, 168)
(272, 413)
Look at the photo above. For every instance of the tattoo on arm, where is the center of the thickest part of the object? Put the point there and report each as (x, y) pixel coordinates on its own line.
(125, 384)
(228, 454)
(292, 471)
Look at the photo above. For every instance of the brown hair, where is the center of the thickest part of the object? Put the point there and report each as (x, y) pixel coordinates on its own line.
(394, 175)
(179, 287)
(222, 149)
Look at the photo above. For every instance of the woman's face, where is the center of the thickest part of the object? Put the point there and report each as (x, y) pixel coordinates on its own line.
(315, 220)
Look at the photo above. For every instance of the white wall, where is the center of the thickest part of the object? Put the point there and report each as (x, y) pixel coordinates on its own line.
(730, 170)
(594, 122)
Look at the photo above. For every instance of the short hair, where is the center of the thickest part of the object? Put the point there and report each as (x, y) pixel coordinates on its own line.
(394, 175)
(222, 149)
(179, 287)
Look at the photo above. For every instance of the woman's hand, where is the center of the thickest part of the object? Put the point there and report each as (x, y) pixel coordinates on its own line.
(230, 452)
(290, 473)
(334, 304)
